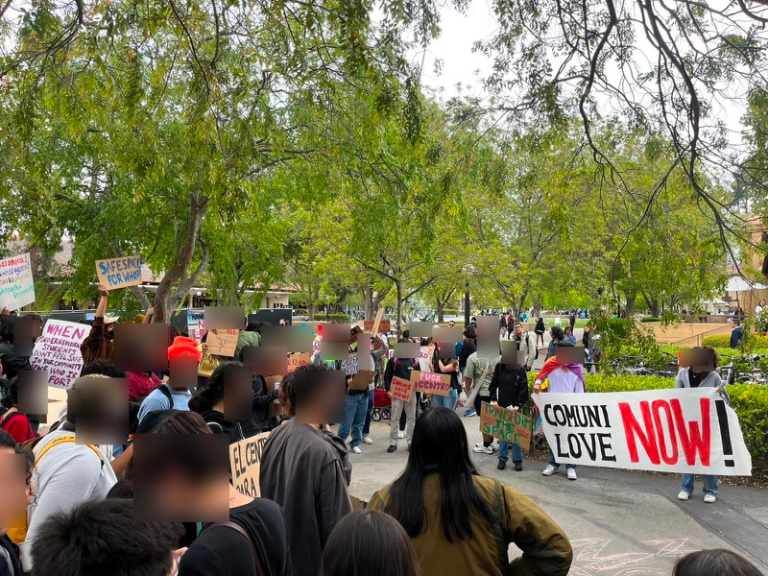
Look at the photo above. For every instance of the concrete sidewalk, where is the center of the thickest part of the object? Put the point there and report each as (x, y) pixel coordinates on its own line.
(620, 523)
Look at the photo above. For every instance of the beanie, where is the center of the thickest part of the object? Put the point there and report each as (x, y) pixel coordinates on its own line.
(183, 346)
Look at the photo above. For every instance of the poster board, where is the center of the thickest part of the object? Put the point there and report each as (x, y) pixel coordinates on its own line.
(431, 383)
(684, 431)
(509, 425)
(362, 379)
(17, 287)
(401, 389)
(297, 360)
(222, 342)
(245, 464)
(349, 366)
(57, 352)
(115, 273)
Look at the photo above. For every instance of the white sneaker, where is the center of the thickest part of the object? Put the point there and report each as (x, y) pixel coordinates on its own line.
(481, 448)
(683, 495)
(572, 474)
(710, 498)
(357, 450)
(549, 470)
(367, 440)
(401, 434)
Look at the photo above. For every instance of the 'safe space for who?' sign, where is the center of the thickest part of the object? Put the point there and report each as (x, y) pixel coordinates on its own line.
(119, 272)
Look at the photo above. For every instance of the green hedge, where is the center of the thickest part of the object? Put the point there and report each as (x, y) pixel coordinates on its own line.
(450, 311)
(750, 401)
(724, 341)
(332, 318)
(650, 319)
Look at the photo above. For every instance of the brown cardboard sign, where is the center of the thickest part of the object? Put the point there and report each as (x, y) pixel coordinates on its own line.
(245, 464)
(509, 425)
(431, 383)
(401, 389)
(361, 380)
(297, 360)
(115, 273)
(222, 342)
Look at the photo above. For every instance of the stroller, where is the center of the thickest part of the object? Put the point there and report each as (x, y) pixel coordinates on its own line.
(382, 405)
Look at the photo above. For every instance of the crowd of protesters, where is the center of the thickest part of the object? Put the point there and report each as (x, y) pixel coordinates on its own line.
(138, 482)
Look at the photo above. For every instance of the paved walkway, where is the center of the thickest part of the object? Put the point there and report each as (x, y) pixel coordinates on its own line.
(619, 523)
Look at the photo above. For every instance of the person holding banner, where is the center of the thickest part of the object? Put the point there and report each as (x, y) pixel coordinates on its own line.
(477, 382)
(509, 389)
(461, 522)
(702, 375)
(444, 362)
(99, 344)
(563, 378)
(400, 368)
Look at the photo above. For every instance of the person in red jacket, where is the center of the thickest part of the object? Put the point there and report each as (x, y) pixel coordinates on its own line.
(11, 420)
(140, 384)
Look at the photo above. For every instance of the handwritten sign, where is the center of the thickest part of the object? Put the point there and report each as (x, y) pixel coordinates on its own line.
(688, 431)
(297, 360)
(117, 273)
(245, 464)
(362, 379)
(17, 287)
(350, 365)
(431, 383)
(401, 389)
(509, 425)
(57, 352)
(222, 342)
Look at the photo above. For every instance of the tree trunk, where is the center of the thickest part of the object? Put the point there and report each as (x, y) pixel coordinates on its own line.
(440, 310)
(398, 327)
(630, 307)
(178, 275)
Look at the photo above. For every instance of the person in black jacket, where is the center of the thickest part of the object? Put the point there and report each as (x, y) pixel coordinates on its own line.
(509, 389)
(229, 384)
(400, 368)
(262, 398)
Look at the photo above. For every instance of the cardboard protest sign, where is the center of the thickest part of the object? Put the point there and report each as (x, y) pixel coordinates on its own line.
(431, 382)
(361, 380)
(682, 430)
(17, 287)
(245, 464)
(509, 425)
(349, 366)
(222, 342)
(385, 326)
(401, 389)
(297, 361)
(57, 352)
(117, 273)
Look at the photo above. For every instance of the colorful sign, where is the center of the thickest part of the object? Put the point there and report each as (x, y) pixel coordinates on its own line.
(245, 464)
(117, 273)
(431, 383)
(401, 389)
(689, 431)
(57, 352)
(17, 287)
(509, 425)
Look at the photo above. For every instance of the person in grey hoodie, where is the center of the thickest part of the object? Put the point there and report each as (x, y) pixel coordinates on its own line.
(700, 377)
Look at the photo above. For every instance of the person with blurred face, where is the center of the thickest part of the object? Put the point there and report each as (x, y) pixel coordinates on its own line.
(99, 345)
(301, 468)
(15, 495)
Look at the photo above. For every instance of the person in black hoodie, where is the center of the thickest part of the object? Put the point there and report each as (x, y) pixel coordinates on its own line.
(209, 401)
(509, 389)
(400, 368)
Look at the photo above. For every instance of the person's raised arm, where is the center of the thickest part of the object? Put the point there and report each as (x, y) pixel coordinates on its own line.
(148, 315)
(101, 309)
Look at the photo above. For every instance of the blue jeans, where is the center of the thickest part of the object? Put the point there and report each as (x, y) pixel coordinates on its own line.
(710, 484)
(367, 425)
(554, 462)
(449, 401)
(517, 452)
(356, 406)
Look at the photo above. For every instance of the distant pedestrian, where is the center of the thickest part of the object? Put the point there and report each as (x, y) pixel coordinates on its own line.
(557, 335)
(539, 331)
(569, 337)
(502, 325)
(737, 333)
(572, 319)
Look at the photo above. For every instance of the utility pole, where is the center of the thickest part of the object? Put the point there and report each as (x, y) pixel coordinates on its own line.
(466, 305)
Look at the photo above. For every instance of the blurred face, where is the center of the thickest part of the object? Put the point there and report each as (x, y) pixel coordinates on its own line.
(15, 493)
(519, 330)
(451, 323)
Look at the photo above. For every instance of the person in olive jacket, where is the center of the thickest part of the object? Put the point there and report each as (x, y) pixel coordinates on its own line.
(509, 389)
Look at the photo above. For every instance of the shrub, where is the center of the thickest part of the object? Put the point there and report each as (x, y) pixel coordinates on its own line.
(724, 341)
(450, 311)
(332, 318)
(650, 319)
(750, 401)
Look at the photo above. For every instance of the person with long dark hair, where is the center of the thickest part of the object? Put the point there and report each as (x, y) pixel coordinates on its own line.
(209, 401)
(369, 543)
(461, 522)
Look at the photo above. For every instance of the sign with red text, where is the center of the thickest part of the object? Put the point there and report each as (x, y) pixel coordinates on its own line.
(245, 464)
(117, 273)
(401, 389)
(431, 383)
(17, 287)
(509, 425)
(57, 352)
(297, 360)
(682, 430)
(222, 342)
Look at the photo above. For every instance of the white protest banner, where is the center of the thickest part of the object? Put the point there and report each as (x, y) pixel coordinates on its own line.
(685, 431)
(17, 288)
(117, 273)
(245, 464)
(57, 352)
